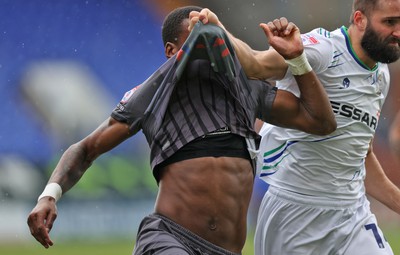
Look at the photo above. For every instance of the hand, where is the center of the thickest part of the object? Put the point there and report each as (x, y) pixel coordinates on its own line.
(205, 16)
(284, 37)
(41, 219)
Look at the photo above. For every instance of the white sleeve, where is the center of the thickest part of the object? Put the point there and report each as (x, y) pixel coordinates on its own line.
(319, 51)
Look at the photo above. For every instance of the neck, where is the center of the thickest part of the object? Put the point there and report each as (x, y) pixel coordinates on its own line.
(355, 41)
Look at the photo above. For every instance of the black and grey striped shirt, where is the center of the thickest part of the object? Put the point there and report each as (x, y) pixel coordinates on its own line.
(172, 110)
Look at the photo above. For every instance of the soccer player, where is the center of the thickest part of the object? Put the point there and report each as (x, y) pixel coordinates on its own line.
(197, 112)
(316, 202)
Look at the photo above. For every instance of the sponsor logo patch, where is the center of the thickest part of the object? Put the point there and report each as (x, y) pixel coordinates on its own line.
(129, 94)
(309, 39)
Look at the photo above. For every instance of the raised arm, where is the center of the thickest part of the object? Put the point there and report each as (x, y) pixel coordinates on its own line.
(72, 165)
(266, 64)
(312, 111)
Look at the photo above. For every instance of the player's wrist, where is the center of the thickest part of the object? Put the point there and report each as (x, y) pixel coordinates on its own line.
(299, 65)
(53, 190)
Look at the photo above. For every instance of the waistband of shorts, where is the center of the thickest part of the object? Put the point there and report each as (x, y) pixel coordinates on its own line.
(192, 237)
(314, 200)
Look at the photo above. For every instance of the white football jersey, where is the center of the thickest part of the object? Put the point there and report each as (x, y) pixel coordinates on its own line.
(333, 165)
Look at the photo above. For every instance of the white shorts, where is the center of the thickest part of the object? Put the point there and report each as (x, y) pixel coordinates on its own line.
(289, 223)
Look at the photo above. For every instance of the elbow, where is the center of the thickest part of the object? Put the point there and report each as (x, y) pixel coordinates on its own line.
(330, 128)
(325, 124)
(84, 156)
(326, 127)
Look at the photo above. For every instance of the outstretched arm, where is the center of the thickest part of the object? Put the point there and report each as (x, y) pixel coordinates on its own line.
(378, 185)
(72, 165)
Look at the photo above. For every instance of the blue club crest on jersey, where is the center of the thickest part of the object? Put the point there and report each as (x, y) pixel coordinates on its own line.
(346, 83)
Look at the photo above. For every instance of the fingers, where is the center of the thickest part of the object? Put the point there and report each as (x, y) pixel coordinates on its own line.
(278, 27)
(39, 231)
(291, 28)
(267, 30)
(195, 16)
(40, 222)
(49, 222)
(205, 16)
(192, 21)
(284, 37)
(280, 24)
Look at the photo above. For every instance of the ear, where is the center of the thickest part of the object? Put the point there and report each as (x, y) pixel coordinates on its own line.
(360, 20)
(170, 49)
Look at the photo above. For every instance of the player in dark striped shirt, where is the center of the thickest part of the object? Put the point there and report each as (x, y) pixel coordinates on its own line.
(197, 112)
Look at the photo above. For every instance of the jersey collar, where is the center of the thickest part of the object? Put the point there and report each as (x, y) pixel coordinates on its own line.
(352, 52)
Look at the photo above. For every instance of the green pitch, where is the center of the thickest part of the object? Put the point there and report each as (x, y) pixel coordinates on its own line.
(117, 247)
(124, 247)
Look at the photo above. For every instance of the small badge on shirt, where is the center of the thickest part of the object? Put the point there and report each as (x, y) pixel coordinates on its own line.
(129, 94)
(309, 39)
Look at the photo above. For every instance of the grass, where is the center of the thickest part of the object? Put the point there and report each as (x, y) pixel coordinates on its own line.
(393, 237)
(114, 247)
(124, 247)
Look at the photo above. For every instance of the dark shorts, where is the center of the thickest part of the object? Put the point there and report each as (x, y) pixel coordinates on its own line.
(160, 235)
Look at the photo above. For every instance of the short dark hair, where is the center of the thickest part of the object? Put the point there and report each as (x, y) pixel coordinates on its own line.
(171, 28)
(364, 6)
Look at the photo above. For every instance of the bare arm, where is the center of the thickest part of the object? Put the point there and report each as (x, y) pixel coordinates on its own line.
(394, 137)
(378, 185)
(311, 113)
(79, 157)
(72, 165)
(266, 64)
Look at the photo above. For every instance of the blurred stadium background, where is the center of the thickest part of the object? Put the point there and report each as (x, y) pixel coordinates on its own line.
(64, 65)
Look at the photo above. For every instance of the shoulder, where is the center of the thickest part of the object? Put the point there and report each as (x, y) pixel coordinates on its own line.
(319, 45)
(315, 36)
(318, 38)
(384, 77)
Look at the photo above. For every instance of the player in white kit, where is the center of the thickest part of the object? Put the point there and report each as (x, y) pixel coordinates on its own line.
(316, 202)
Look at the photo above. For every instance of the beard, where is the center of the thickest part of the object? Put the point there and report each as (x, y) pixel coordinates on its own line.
(378, 48)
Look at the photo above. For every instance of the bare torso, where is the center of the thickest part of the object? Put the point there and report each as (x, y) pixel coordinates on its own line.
(210, 197)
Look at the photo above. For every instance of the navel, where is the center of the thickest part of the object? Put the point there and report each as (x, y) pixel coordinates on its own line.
(212, 225)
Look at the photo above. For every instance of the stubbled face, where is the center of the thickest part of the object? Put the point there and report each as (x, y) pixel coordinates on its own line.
(381, 39)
